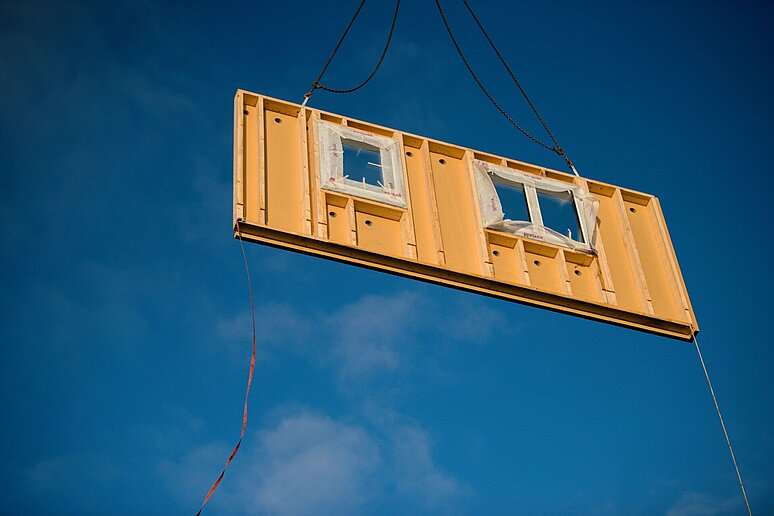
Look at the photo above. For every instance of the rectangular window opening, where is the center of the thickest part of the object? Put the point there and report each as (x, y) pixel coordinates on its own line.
(362, 163)
(513, 200)
(559, 213)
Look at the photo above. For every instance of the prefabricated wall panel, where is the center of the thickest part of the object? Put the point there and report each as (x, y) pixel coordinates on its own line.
(631, 278)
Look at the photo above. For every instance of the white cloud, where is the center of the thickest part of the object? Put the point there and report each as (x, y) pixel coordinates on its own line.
(471, 320)
(190, 477)
(374, 336)
(358, 341)
(703, 504)
(416, 473)
(237, 327)
(108, 309)
(279, 327)
(369, 332)
(275, 323)
(67, 471)
(311, 464)
(208, 215)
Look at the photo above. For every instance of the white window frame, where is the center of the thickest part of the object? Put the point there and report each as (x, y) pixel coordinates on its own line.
(493, 217)
(331, 138)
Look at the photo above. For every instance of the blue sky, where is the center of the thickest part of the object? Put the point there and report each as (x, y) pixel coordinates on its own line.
(125, 324)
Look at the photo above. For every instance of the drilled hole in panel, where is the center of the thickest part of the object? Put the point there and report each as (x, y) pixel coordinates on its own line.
(409, 153)
(578, 272)
(332, 214)
(442, 161)
(537, 263)
(496, 253)
(278, 120)
(369, 223)
(633, 210)
(245, 112)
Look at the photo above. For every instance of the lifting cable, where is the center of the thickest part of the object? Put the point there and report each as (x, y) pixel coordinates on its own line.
(555, 147)
(723, 425)
(316, 85)
(249, 380)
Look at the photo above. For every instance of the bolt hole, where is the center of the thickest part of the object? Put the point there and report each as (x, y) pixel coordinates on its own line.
(245, 112)
(278, 120)
(442, 161)
(578, 272)
(332, 214)
(369, 223)
(537, 263)
(496, 253)
(409, 153)
(633, 210)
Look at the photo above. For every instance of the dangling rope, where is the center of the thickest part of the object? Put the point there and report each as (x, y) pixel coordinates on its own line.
(723, 425)
(555, 147)
(249, 380)
(316, 85)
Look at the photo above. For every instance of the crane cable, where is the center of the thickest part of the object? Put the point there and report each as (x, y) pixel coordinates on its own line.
(723, 425)
(316, 85)
(555, 147)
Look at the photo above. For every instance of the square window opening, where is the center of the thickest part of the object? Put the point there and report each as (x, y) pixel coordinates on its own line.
(513, 200)
(362, 163)
(559, 213)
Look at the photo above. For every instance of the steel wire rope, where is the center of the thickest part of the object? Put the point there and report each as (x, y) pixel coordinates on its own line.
(556, 148)
(316, 85)
(249, 378)
(723, 425)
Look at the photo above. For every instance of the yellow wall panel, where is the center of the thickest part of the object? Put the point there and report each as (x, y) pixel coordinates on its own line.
(653, 265)
(418, 171)
(455, 211)
(543, 268)
(379, 230)
(612, 233)
(427, 224)
(584, 279)
(338, 220)
(506, 263)
(283, 171)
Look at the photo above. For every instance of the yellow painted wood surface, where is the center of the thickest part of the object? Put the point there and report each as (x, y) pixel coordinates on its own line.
(633, 279)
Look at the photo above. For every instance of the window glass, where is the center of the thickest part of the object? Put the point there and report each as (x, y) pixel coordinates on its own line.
(559, 213)
(362, 163)
(513, 200)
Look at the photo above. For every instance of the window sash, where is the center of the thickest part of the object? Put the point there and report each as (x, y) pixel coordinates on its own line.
(493, 214)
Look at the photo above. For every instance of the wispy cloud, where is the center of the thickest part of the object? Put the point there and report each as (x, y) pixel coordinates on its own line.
(312, 464)
(416, 473)
(189, 477)
(279, 328)
(275, 323)
(369, 332)
(373, 338)
(108, 310)
(704, 504)
(60, 473)
(208, 215)
(471, 320)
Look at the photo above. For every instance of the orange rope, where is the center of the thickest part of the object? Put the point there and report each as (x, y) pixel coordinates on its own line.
(249, 380)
